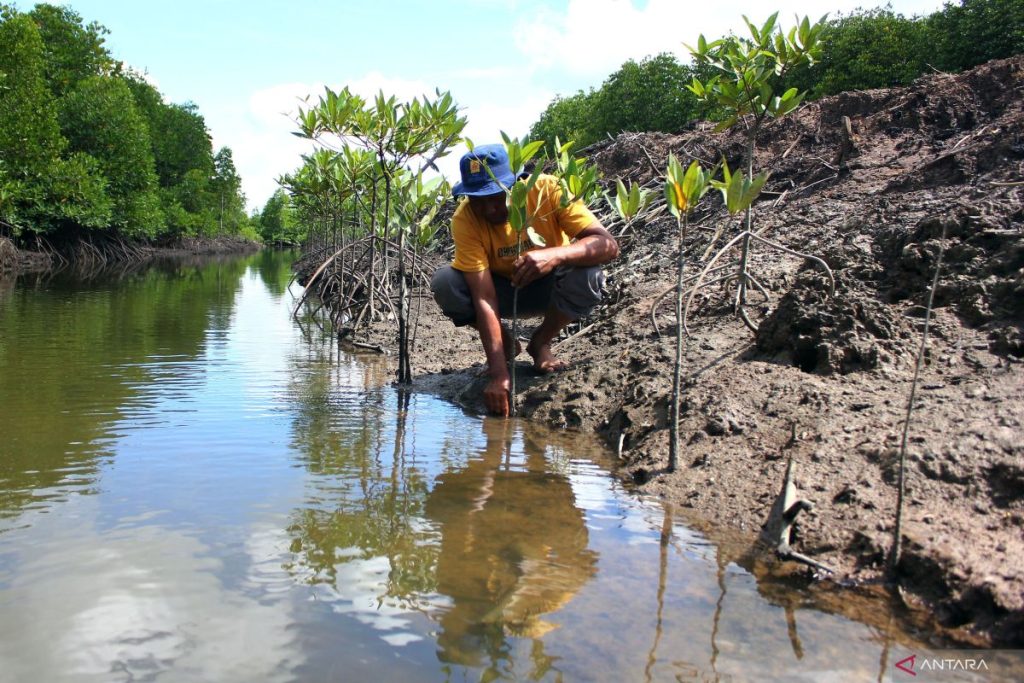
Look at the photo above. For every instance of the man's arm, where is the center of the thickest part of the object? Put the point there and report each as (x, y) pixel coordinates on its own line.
(488, 323)
(593, 246)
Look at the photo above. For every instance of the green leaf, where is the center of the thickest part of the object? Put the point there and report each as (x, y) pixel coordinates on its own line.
(535, 237)
(534, 177)
(634, 200)
(769, 25)
(753, 30)
(695, 184)
(670, 198)
(531, 149)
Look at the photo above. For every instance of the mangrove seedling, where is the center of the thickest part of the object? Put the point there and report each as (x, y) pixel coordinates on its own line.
(738, 193)
(749, 72)
(628, 203)
(683, 190)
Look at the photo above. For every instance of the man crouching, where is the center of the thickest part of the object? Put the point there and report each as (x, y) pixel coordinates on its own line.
(561, 281)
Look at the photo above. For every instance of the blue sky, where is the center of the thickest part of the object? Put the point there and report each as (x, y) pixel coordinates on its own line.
(246, 63)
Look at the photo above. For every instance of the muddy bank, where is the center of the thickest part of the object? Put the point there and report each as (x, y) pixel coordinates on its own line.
(89, 255)
(825, 380)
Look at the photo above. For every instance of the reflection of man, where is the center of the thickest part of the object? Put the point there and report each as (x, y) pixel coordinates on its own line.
(561, 281)
(513, 548)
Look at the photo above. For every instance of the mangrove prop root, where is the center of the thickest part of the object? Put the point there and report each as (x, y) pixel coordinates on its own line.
(747, 236)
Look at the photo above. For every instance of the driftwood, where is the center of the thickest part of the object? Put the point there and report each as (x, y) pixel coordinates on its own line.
(779, 527)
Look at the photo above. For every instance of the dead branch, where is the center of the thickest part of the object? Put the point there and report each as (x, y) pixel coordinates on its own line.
(778, 530)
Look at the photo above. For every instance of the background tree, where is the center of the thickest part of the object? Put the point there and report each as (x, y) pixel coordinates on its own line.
(640, 96)
(567, 118)
(973, 32)
(74, 50)
(874, 48)
(226, 189)
(99, 118)
(87, 145)
(868, 49)
(277, 222)
(646, 95)
(30, 139)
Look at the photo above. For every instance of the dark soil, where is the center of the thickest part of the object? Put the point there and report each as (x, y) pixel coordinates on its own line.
(825, 380)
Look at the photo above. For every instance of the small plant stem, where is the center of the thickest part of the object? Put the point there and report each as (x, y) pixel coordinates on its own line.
(897, 541)
(677, 376)
(511, 353)
(741, 300)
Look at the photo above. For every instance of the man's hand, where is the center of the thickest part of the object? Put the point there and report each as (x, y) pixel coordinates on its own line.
(534, 265)
(496, 395)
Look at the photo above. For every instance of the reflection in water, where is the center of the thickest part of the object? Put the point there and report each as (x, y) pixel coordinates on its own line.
(266, 508)
(514, 548)
(490, 546)
(77, 358)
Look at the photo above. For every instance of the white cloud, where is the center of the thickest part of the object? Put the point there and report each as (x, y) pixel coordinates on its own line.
(129, 611)
(486, 121)
(593, 38)
(561, 51)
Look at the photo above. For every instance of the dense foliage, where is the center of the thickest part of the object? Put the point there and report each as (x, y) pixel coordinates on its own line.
(866, 49)
(640, 96)
(277, 223)
(89, 148)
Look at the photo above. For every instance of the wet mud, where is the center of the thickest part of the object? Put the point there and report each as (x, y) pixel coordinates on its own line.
(826, 379)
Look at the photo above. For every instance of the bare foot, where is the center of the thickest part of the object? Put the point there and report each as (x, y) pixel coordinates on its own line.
(544, 360)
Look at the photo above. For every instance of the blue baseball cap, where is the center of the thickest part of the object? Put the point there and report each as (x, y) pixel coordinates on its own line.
(476, 181)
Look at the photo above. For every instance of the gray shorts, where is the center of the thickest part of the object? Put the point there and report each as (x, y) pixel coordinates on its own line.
(570, 290)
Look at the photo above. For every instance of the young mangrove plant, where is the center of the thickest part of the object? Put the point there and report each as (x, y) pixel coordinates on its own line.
(738, 193)
(628, 203)
(520, 153)
(577, 181)
(417, 203)
(746, 88)
(397, 136)
(683, 190)
(577, 178)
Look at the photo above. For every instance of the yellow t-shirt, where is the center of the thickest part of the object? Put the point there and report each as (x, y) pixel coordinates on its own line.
(480, 245)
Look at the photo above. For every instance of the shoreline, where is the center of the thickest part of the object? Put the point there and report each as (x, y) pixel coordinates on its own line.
(825, 380)
(14, 261)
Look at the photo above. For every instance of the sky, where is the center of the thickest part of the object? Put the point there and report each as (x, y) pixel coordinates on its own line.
(248, 63)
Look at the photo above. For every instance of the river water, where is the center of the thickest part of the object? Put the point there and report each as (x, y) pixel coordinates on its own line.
(194, 487)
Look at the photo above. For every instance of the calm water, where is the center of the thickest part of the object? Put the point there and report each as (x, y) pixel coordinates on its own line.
(193, 490)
